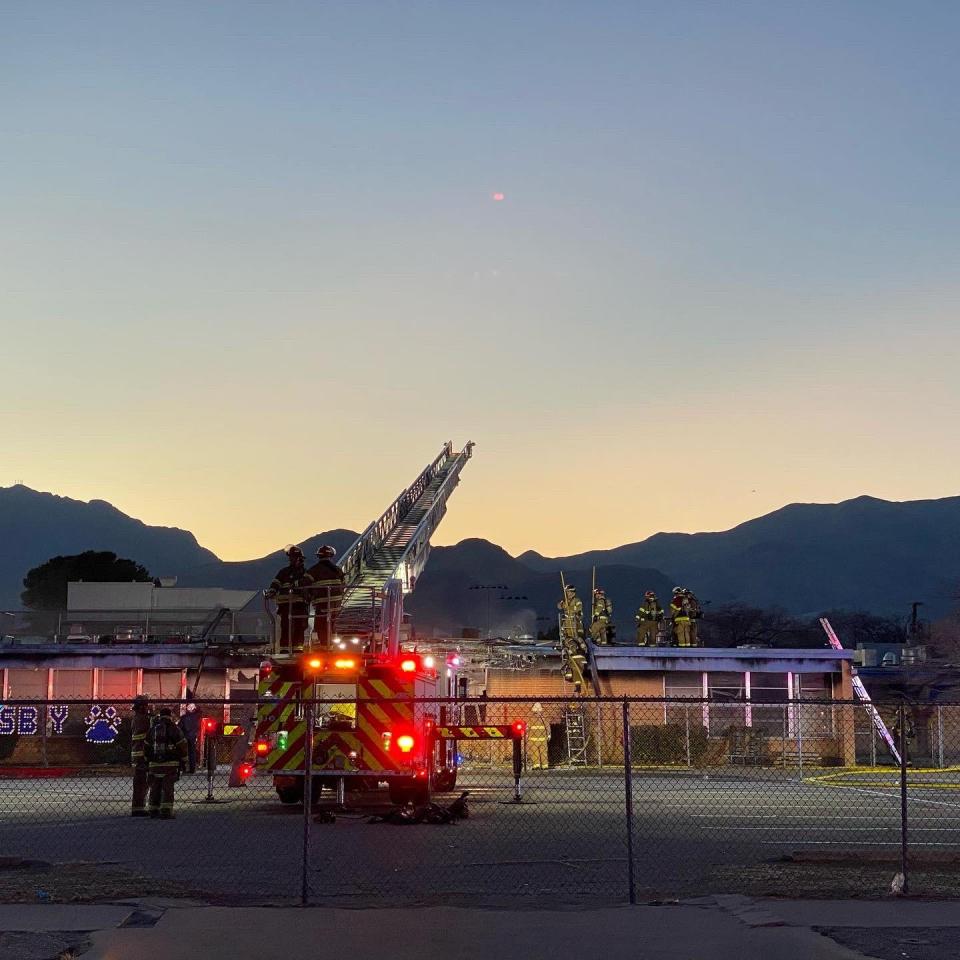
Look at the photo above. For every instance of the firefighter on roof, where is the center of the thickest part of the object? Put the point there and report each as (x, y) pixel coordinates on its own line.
(695, 610)
(601, 627)
(571, 606)
(680, 610)
(289, 589)
(326, 593)
(649, 617)
(140, 727)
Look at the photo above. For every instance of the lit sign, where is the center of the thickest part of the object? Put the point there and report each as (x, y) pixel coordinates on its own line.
(103, 723)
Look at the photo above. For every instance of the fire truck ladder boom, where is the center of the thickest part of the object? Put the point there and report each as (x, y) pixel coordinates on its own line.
(396, 546)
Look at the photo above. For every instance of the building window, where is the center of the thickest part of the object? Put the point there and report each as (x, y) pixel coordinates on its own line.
(684, 684)
(72, 685)
(816, 719)
(28, 683)
(117, 685)
(769, 693)
(728, 693)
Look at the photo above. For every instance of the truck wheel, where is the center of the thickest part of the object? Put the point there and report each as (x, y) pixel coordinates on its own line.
(290, 794)
(445, 780)
(405, 791)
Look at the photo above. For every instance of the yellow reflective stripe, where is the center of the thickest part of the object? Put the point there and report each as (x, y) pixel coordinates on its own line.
(493, 732)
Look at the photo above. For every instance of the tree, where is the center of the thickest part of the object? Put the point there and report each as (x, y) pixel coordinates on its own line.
(46, 584)
(739, 624)
(859, 626)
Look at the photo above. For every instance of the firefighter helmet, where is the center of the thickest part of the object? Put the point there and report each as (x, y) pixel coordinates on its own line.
(650, 595)
(293, 552)
(326, 551)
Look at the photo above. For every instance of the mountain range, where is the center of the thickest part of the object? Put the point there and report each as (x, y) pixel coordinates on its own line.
(861, 554)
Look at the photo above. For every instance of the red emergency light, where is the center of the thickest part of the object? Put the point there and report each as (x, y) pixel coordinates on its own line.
(209, 725)
(266, 668)
(262, 748)
(453, 660)
(408, 666)
(519, 727)
(405, 743)
(345, 663)
(315, 663)
(245, 770)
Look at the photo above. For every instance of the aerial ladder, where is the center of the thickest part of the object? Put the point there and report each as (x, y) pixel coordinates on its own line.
(385, 561)
(304, 743)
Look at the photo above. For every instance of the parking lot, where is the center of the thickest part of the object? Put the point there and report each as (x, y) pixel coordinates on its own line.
(566, 842)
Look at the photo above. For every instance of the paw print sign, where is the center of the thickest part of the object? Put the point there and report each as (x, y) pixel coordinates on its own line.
(103, 724)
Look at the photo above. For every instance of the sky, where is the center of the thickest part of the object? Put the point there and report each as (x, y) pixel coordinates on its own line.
(253, 273)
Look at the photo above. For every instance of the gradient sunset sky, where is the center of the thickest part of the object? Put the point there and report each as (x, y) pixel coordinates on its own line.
(254, 274)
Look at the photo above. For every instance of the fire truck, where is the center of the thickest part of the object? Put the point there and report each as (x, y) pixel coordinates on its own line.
(348, 715)
(353, 721)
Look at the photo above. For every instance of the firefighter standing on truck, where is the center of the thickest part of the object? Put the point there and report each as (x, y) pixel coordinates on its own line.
(166, 752)
(600, 628)
(139, 728)
(538, 740)
(326, 593)
(649, 617)
(288, 587)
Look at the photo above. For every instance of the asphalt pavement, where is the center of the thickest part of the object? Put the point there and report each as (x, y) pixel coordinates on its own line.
(693, 833)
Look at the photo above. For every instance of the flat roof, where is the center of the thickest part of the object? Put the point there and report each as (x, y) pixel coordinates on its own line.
(154, 656)
(615, 659)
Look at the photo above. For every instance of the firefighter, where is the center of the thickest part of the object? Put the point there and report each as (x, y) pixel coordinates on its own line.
(288, 587)
(601, 627)
(571, 633)
(538, 739)
(140, 727)
(680, 611)
(649, 619)
(326, 593)
(695, 609)
(572, 608)
(166, 752)
(190, 723)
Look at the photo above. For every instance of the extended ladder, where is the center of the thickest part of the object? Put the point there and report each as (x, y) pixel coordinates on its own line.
(576, 736)
(861, 691)
(395, 547)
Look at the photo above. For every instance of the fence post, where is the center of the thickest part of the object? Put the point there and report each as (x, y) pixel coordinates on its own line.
(686, 719)
(800, 736)
(628, 799)
(307, 804)
(903, 798)
(599, 735)
(940, 762)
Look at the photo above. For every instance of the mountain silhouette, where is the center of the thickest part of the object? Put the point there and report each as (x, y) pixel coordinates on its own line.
(862, 554)
(35, 526)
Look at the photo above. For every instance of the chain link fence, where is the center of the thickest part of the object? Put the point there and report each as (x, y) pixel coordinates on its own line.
(617, 800)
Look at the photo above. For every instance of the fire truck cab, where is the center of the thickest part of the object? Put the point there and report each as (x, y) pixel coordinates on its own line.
(353, 719)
